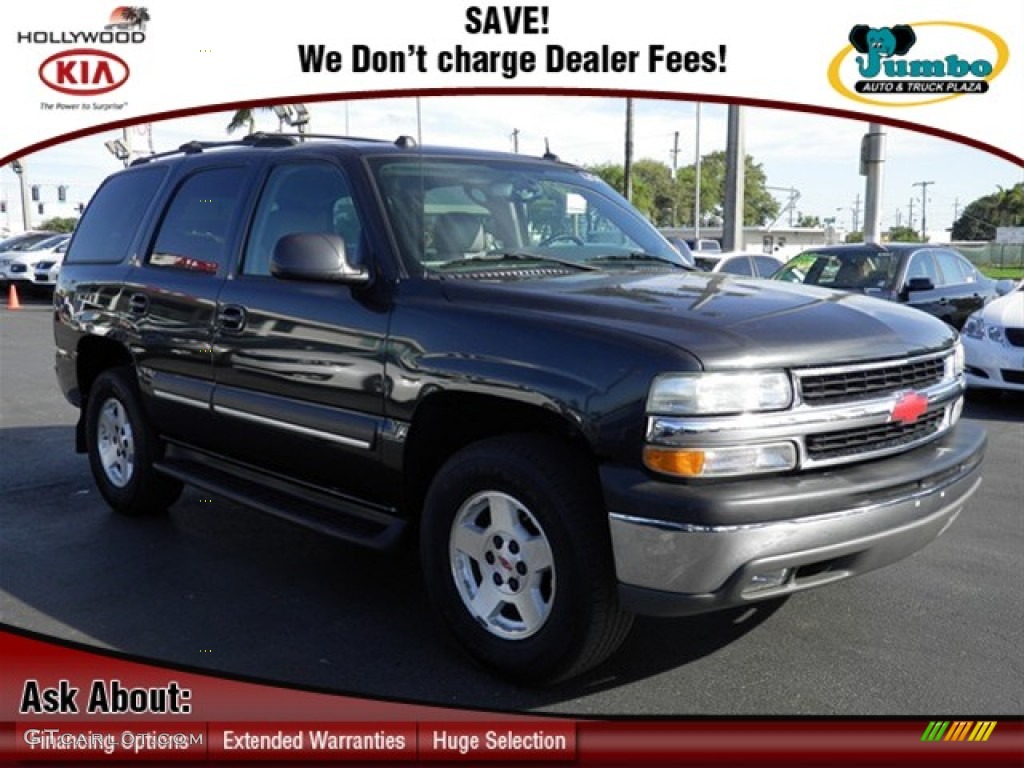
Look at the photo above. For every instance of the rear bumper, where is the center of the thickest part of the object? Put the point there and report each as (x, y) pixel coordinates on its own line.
(677, 557)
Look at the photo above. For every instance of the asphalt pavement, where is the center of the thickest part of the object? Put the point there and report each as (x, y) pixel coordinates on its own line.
(219, 587)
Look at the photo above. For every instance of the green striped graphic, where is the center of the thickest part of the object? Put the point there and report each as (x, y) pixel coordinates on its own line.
(935, 730)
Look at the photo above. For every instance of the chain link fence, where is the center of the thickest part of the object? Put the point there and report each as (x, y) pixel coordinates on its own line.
(1002, 256)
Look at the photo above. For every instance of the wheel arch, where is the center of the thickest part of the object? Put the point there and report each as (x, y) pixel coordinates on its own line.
(446, 422)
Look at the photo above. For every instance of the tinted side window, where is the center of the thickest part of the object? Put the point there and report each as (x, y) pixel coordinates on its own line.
(766, 267)
(954, 269)
(737, 266)
(193, 234)
(922, 265)
(109, 225)
(307, 197)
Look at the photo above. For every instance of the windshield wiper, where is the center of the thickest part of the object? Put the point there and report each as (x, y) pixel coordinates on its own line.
(499, 257)
(637, 256)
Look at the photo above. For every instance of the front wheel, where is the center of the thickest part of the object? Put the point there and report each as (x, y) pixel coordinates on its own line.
(123, 447)
(517, 559)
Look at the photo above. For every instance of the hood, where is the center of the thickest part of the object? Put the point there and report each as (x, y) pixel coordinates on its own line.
(725, 322)
(1007, 311)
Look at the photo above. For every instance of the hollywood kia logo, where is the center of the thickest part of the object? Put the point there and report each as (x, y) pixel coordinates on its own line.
(89, 71)
(925, 62)
(84, 72)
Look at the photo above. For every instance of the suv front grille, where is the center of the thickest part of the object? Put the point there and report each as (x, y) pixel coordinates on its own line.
(865, 440)
(840, 386)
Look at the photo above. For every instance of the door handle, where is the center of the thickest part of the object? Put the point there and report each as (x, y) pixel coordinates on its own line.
(231, 317)
(138, 303)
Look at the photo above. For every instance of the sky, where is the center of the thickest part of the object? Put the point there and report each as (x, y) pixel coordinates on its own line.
(815, 154)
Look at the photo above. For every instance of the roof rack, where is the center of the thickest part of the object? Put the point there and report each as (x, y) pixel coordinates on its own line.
(261, 139)
(196, 147)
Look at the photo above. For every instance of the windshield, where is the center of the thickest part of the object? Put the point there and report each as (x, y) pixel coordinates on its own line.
(454, 215)
(865, 271)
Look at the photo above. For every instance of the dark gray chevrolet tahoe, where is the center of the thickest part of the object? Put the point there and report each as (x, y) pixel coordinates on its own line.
(498, 355)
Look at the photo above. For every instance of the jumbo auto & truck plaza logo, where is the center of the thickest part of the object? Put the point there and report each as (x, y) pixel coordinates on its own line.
(919, 63)
(85, 70)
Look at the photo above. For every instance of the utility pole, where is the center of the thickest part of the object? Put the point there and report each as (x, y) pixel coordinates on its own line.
(515, 140)
(675, 155)
(627, 175)
(696, 191)
(735, 167)
(956, 208)
(856, 214)
(924, 206)
(910, 221)
(675, 168)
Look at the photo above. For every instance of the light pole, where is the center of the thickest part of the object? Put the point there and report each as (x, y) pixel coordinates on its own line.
(295, 115)
(19, 168)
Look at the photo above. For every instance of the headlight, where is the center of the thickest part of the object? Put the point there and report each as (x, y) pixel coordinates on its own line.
(977, 328)
(709, 394)
(974, 327)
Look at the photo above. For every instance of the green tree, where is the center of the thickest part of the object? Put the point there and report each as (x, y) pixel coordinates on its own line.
(808, 221)
(59, 224)
(854, 237)
(903, 235)
(666, 202)
(980, 218)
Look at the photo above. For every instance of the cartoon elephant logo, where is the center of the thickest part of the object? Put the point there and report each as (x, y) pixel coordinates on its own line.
(880, 43)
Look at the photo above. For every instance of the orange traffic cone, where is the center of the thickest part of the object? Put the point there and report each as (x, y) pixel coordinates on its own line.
(12, 298)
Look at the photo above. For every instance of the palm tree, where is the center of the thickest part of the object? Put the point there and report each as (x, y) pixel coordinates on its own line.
(1009, 205)
(137, 16)
(246, 118)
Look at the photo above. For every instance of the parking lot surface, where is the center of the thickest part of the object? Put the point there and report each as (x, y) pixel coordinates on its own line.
(218, 587)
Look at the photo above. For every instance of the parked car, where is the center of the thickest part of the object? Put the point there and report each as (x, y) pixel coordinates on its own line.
(749, 264)
(48, 266)
(24, 240)
(704, 246)
(18, 266)
(684, 250)
(933, 278)
(499, 355)
(994, 344)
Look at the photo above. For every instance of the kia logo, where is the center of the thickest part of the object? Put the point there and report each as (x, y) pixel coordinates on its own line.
(84, 72)
(909, 408)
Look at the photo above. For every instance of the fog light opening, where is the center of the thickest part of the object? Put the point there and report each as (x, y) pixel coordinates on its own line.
(768, 580)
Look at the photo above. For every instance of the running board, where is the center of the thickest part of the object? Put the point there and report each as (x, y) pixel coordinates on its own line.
(326, 513)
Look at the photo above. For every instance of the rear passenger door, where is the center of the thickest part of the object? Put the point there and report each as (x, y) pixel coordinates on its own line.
(300, 364)
(960, 287)
(171, 298)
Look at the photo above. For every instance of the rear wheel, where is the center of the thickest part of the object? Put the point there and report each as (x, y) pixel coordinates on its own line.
(123, 447)
(516, 556)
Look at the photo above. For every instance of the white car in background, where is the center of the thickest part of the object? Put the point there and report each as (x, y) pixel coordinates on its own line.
(48, 266)
(994, 343)
(739, 263)
(20, 266)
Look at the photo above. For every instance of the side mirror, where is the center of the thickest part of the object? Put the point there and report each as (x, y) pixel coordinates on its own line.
(1003, 287)
(916, 284)
(315, 256)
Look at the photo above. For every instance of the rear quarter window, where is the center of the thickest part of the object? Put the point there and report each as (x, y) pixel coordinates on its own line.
(114, 216)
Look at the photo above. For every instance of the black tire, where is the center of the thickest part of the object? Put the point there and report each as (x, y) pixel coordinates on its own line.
(123, 447)
(547, 495)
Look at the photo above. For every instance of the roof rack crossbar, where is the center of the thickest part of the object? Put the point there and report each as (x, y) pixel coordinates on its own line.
(196, 147)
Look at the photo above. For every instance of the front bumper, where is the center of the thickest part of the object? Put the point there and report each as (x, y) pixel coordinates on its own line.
(685, 549)
(991, 365)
